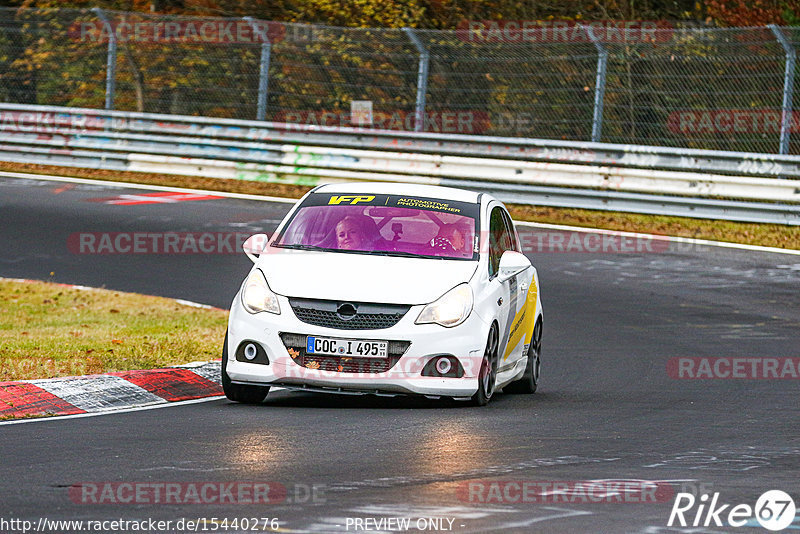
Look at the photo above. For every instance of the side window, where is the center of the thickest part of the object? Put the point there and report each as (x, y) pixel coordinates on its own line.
(499, 240)
(512, 233)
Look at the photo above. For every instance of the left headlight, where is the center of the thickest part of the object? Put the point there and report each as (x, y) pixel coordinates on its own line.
(257, 296)
(451, 309)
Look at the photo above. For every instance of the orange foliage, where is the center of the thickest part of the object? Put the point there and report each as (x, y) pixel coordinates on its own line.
(746, 12)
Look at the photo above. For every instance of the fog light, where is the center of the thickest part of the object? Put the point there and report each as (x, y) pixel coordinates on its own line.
(443, 365)
(250, 351)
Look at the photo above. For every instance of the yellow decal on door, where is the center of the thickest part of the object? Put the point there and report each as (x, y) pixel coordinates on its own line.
(523, 322)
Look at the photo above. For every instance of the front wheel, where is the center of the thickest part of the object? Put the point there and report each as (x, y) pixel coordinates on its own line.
(530, 378)
(488, 373)
(239, 392)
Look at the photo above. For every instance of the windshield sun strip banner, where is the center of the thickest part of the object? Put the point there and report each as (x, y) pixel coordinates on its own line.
(434, 205)
(467, 209)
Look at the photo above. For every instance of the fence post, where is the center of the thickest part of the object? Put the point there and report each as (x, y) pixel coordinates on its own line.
(263, 75)
(111, 58)
(422, 79)
(599, 85)
(788, 87)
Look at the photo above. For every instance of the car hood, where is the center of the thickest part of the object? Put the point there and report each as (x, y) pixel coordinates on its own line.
(362, 278)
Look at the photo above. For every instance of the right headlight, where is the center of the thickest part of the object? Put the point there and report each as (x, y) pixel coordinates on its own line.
(451, 309)
(257, 296)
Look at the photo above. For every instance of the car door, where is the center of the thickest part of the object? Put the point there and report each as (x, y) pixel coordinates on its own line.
(503, 293)
(522, 304)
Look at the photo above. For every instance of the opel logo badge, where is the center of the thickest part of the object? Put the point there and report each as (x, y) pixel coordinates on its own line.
(346, 311)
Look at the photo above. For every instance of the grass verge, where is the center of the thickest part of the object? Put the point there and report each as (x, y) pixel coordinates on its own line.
(49, 330)
(769, 235)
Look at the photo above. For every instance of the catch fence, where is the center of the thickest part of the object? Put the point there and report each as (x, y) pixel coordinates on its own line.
(651, 83)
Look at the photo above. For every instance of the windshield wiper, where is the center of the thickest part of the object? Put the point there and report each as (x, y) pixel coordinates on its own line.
(401, 254)
(302, 247)
(297, 246)
(391, 253)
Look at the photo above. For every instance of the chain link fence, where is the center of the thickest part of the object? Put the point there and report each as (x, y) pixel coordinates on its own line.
(725, 89)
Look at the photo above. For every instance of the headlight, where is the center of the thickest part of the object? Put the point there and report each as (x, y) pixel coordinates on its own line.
(450, 309)
(257, 296)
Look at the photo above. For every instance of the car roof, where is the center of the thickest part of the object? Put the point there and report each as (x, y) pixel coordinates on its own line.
(388, 188)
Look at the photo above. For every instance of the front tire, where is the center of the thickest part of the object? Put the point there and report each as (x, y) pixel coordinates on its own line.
(530, 378)
(239, 392)
(487, 376)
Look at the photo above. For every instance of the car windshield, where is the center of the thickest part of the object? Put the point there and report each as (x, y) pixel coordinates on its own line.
(390, 225)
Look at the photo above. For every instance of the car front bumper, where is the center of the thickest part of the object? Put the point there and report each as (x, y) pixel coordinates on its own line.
(424, 342)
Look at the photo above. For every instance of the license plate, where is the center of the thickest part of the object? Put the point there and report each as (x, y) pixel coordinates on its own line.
(328, 346)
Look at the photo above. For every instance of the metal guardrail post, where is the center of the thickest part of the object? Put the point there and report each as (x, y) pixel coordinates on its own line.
(599, 85)
(422, 78)
(263, 74)
(111, 58)
(788, 87)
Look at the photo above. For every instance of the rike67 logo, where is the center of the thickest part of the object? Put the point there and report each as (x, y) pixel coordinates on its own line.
(774, 510)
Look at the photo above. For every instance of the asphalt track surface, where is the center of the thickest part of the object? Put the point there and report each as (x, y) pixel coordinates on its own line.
(606, 408)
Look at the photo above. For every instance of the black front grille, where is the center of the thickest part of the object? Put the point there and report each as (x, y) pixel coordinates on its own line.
(296, 345)
(346, 365)
(348, 315)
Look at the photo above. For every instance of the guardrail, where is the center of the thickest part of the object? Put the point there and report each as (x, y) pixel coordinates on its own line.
(660, 180)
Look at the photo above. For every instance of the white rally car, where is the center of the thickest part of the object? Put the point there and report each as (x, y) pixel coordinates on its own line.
(387, 289)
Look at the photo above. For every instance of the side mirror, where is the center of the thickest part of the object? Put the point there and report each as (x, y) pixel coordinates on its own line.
(511, 264)
(254, 246)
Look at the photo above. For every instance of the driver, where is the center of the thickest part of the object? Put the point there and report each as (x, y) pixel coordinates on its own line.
(450, 239)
